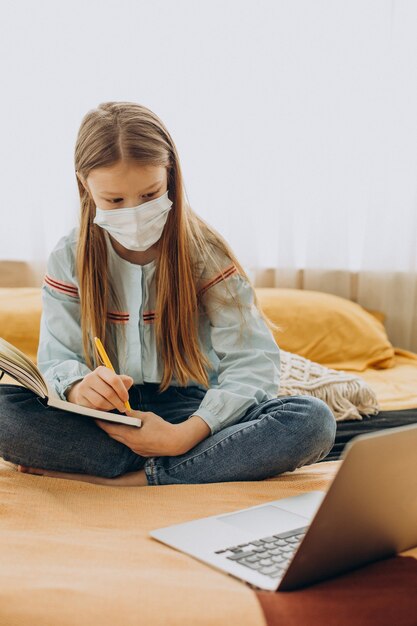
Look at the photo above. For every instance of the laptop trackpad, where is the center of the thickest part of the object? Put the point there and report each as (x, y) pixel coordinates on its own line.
(265, 520)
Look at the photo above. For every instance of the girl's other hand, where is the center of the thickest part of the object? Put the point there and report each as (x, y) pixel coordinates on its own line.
(101, 389)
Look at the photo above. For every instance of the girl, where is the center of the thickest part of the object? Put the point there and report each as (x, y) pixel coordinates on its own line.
(180, 321)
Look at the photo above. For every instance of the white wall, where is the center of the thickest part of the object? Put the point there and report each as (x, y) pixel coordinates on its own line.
(296, 121)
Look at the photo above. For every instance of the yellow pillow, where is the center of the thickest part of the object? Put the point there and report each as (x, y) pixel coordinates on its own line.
(327, 329)
(20, 315)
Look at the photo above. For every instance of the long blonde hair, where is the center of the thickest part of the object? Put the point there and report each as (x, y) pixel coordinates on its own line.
(127, 131)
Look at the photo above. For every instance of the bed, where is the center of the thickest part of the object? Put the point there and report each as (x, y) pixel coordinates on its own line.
(396, 390)
(78, 553)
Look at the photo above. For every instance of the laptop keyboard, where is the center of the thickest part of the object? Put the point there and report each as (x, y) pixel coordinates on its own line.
(269, 555)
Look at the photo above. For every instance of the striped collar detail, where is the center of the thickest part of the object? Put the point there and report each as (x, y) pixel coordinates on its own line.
(117, 317)
(149, 317)
(229, 271)
(60, 286)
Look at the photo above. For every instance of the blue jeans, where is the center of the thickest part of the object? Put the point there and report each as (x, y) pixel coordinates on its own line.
(275, 436)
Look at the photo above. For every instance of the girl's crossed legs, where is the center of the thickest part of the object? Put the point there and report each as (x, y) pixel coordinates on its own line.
(273, 437)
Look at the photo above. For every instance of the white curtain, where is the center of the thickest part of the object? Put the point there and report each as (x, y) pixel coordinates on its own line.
(295, 121)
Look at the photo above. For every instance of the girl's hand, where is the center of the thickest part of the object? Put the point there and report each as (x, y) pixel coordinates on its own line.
(101, 389)
(156, 437)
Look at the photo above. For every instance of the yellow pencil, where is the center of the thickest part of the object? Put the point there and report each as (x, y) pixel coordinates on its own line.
(107, 362)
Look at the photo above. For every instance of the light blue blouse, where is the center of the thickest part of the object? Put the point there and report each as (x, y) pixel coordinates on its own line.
(241, 374)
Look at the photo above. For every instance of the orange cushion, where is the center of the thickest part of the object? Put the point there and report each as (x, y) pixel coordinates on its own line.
(20, 315)
(327, 329)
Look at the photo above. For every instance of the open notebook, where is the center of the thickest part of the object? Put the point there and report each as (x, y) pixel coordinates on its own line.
(15, 363)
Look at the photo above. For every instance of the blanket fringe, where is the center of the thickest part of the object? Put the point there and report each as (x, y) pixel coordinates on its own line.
(347, 395)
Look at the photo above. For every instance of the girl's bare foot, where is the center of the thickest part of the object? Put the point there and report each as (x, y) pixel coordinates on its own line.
(130, 479)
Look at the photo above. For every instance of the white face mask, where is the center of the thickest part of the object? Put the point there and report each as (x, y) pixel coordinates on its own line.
(139, 227)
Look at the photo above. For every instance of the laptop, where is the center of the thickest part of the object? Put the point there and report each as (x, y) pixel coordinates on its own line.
(368, 513)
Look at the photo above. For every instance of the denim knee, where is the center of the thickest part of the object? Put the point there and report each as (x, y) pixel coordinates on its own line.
(321, 420)
(32, 434)
(314, 423)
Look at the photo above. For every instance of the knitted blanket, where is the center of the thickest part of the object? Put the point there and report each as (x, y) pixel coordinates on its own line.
(347, 395)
